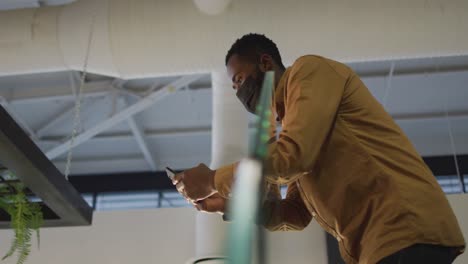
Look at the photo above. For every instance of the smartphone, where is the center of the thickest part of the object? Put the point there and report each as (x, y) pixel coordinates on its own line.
(170, 173)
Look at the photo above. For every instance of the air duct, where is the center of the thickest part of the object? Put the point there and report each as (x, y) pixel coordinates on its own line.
(142, 38)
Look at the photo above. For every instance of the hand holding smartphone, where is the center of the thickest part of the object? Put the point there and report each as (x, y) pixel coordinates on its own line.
(171, 174)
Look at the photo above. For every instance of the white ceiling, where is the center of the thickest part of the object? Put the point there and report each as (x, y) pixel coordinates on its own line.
(177, 128)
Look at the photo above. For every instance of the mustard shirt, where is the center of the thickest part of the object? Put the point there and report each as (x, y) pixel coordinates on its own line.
(349, 166)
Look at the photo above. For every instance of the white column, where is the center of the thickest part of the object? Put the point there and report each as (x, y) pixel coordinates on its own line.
(230, 123)
(229, 144)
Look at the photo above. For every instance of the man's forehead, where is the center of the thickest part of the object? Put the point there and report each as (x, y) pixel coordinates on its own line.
(234, 64)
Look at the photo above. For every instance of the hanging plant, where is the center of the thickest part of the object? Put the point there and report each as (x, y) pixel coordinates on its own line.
(26, 216)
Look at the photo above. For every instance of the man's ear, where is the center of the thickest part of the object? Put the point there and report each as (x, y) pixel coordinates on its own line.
(266, 63)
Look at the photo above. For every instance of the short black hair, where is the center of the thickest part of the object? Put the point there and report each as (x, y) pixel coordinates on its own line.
(252, 45)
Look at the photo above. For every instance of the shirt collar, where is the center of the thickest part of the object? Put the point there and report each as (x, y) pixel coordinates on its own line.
(278, 100)
(279, 91)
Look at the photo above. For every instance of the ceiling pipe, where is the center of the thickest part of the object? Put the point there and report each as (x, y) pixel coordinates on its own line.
(139, 38)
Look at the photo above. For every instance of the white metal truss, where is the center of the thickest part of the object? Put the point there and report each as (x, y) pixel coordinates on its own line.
(63, 115)
(160, 133)
(140, 137)
(66, 115)
(193, 131)
(123, 115)
(90, 89)
(118, 85)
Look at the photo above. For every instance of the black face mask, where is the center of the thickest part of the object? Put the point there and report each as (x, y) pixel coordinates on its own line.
(249, 92)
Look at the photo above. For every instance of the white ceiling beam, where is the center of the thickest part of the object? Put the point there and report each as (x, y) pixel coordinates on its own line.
(148, 134)
(122, 115)
(61, 116)
(118, 85)
(193, 131)
(90, 89)
(127, 163)
(66, 115)
(139, 134)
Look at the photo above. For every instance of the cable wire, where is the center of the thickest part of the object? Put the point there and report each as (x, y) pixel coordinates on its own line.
(76, 119)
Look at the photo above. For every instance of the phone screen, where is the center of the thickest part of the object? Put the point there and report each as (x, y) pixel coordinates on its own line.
(170, 173)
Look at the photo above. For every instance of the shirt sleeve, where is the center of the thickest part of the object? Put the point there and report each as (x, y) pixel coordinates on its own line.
(286, 214)
(224, 178)
(313, 95)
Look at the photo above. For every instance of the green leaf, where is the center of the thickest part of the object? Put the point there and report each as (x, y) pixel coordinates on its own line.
(26, 217)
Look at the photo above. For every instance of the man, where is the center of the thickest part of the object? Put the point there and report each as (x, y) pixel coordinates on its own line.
(346, 163)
